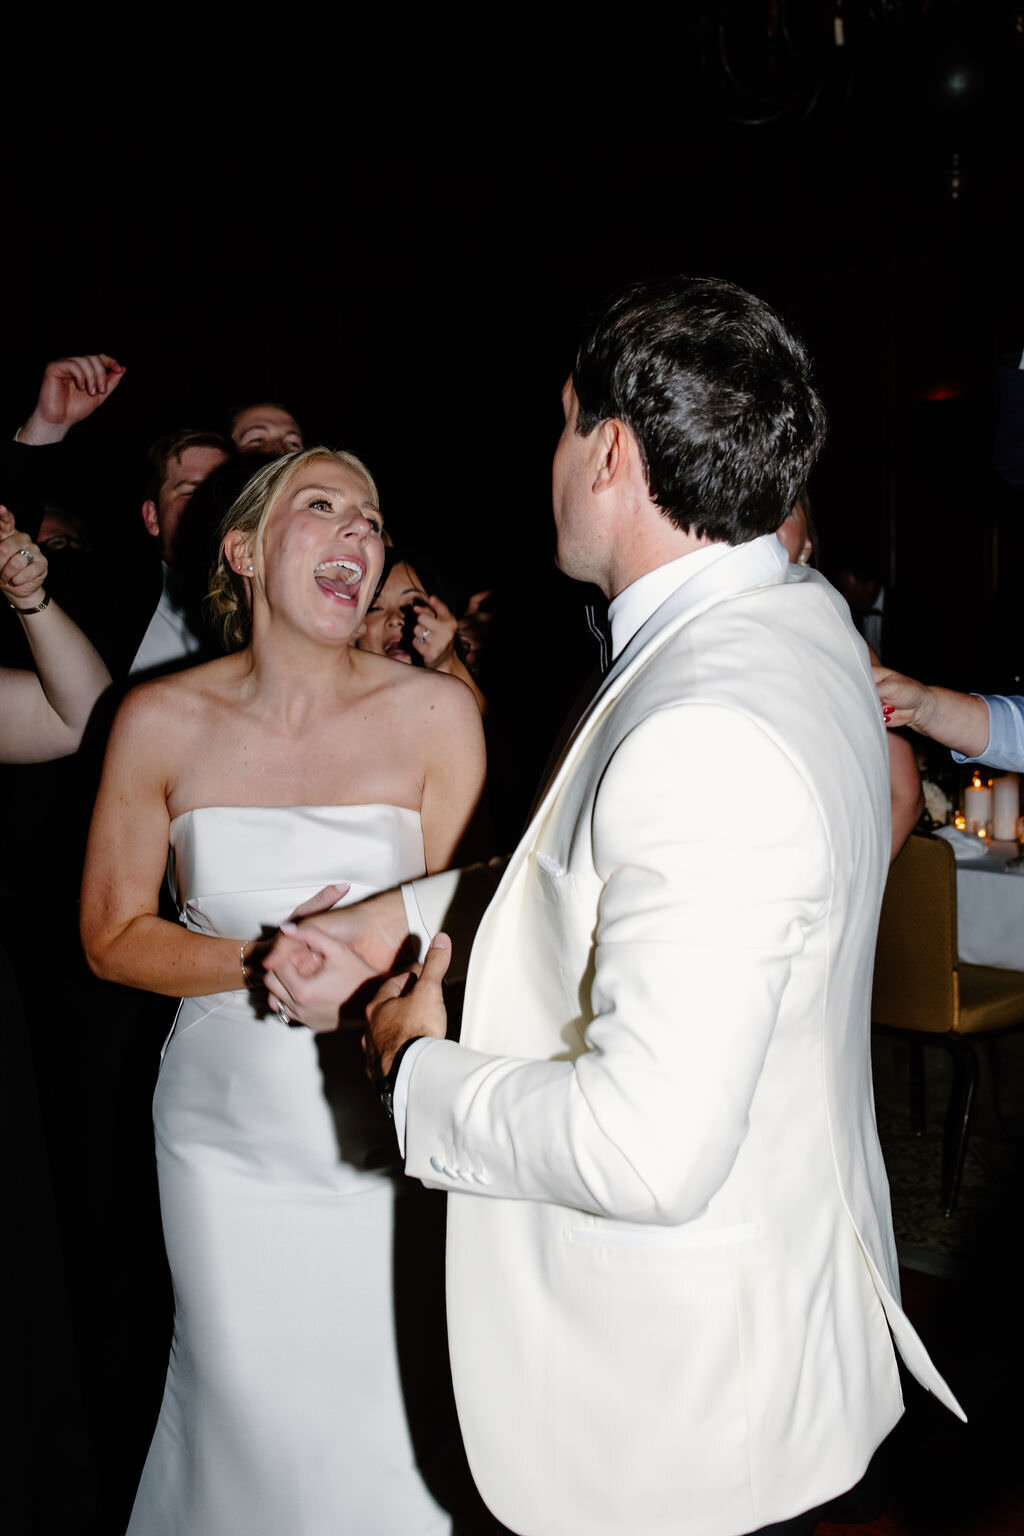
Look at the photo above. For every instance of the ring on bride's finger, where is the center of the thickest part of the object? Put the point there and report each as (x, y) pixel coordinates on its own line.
(29, 556)
(283, 1014)
(424, 634)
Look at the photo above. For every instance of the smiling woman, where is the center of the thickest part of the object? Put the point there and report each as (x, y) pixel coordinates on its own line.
(409, 622)
(332, 489)
(294, 764)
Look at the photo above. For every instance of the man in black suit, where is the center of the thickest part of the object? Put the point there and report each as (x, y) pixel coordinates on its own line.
(179, 463)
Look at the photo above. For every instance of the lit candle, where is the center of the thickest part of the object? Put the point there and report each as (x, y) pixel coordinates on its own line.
(978, 807)
(1005, 807)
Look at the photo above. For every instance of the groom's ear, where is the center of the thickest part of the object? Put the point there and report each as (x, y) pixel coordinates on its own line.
(611, 448)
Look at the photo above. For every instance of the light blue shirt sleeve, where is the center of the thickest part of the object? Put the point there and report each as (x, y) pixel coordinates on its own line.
(1005, 747)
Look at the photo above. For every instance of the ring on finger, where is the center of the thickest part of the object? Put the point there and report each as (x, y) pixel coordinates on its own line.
(283, 1014)
(29, 556)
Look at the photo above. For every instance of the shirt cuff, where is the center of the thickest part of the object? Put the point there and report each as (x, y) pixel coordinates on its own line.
(414, 921)
(400, 1102)
(958, 757)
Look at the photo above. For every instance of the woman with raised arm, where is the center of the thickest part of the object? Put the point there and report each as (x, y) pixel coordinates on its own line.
(45, 712)
(43, 715)
(976, 727)
(411, 623)
(295, 763)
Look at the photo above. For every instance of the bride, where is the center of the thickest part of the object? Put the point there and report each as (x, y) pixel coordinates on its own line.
(295, 763)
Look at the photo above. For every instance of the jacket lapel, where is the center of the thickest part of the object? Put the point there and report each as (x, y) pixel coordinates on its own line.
(761, 563)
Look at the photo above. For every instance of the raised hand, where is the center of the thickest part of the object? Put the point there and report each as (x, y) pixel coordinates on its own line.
(23, 565)
(72, 388)
(404, 1008)
(434, 633)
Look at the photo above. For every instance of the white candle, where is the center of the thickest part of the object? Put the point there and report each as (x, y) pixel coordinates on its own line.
(977, 808)
(1006, 807)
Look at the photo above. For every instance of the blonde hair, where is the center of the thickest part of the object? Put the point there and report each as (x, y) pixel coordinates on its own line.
(229, 599)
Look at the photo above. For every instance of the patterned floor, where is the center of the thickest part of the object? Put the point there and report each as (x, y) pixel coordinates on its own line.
(927, 1239)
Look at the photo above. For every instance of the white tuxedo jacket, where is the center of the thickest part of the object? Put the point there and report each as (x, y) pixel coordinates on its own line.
(671, 1268)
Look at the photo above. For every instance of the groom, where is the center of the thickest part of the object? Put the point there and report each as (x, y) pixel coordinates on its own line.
(672, 1281)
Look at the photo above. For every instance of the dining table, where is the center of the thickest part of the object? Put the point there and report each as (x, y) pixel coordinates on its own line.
(990, 908)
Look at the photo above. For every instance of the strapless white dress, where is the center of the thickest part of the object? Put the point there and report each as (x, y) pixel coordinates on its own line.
(283, 1203)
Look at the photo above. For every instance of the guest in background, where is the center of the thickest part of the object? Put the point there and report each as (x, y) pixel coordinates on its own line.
(410, 623)
(179, 463)
(61, 530)
(72, 389)
(977, 727)
(49, 1473)
(798, 536)
(95, 1045)
(257, 435)
(857, 568)
(266, 428)
(45, 712)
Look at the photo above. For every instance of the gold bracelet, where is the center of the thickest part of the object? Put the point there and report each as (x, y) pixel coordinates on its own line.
(44, 604)
(245, 971)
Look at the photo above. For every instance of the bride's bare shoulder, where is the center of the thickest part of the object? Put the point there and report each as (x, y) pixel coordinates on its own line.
(433, 698)
(169, 705)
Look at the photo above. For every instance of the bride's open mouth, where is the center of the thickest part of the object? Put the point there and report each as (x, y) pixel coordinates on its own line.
(340, 578)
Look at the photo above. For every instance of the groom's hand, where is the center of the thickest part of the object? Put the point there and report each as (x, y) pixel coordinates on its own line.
(406, 1006)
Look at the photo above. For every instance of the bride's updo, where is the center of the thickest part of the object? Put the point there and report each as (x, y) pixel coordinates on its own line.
(229, 599)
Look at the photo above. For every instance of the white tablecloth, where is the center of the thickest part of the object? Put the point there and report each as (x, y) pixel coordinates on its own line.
(990, 910)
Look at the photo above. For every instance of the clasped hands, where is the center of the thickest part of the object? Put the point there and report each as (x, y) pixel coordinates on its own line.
(326, 965)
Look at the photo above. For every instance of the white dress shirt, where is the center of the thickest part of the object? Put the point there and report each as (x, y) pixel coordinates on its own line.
(168, 638)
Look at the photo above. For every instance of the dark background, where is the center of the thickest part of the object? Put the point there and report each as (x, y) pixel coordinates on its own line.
(394, 225)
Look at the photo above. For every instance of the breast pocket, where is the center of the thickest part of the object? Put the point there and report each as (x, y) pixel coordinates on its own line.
(553, 899)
